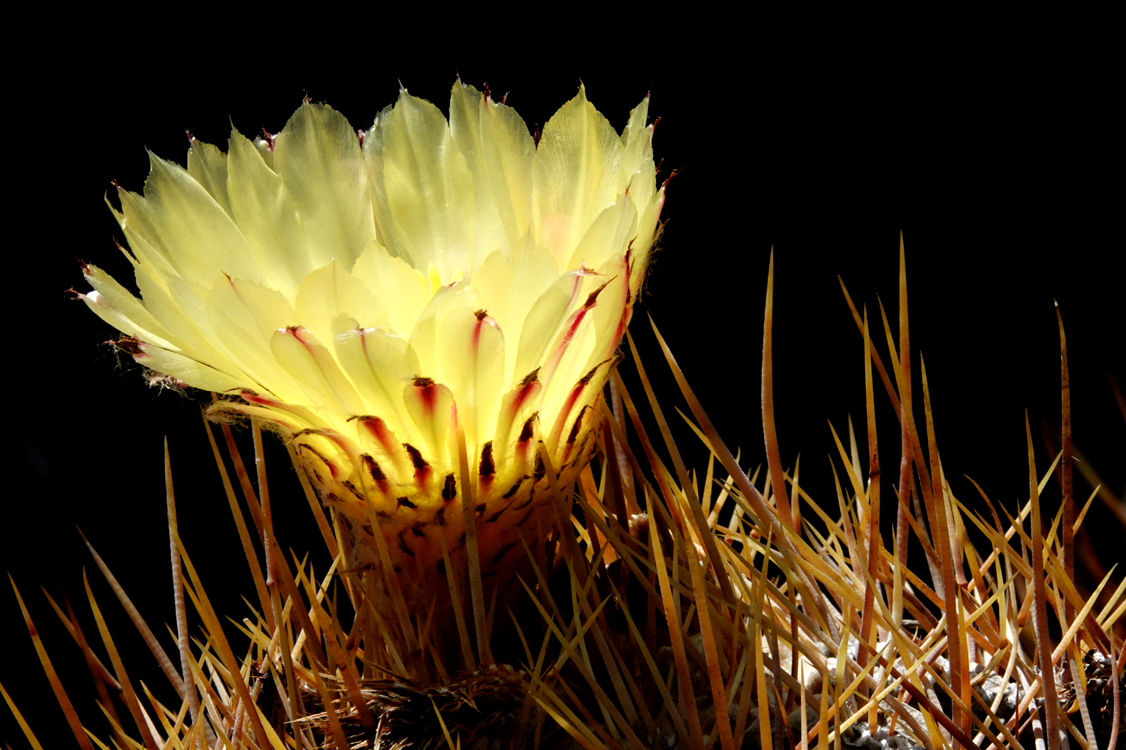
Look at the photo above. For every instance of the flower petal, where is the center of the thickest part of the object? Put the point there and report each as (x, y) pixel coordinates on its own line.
(331, 291)
(244, 317)
(313, 367)
(426, 203)
(182, 222)
(186, 370)
(268, 217)
(207, 165)
(576, 174)
(603, 241)
(472, 351)
(380, 365)
(498, 151)
(114, 304)
(431, 407)
(403, 289)
(318, 157)
(509, 287)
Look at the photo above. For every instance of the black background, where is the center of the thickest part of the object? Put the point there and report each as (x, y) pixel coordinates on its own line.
(999, 161)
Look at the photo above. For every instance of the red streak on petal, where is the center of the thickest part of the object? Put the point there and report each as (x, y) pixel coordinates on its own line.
(527, 431)
(331, 466)
(524, 442)
(427, 394)
(453, 424)
(592, 299)
(528, 386)
(488, 468)
(629, 263)
(332, 435)
(299, 333)
(449, 488)
(376, 473)
(572, 398)
(254, 398)
(565, 412)
(378, 429)
(576, 428)
(363, 334)
(576, 321)
(623, 324)
(422, 470)
(483, 319)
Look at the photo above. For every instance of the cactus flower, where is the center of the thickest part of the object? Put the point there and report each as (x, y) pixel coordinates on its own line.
(395, 299)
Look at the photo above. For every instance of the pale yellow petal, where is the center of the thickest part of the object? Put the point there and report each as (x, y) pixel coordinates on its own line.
(611, 315)
(187, 370)
(472, 355)
(318, 156)
(312, 365)
(509, 286)
(402, 289)
(517, 406)
(576, 174)
(244, 317)
(427, 207)
(114, 304)
(380, 365)
(637, 158)
(465, 131)
(207, 165)
(567, 357)
(137, 231)
(424, 337)
(268, 217)
(544, 320)
(185, 224)
(431, 407)
(183, 312)
(647, 231)
(499, 151)
(607, 237)
(331, 291)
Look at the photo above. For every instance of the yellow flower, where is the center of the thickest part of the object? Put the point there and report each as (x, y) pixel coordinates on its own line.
(382, 297)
